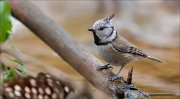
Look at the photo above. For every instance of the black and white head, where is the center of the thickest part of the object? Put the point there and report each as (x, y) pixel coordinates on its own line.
(104, 31)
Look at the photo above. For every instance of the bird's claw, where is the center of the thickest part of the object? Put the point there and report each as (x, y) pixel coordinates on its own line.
(100, 68)
(116, 77)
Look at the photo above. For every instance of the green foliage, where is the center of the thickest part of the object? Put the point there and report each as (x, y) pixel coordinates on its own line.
(5, 22)
(5, 31)
(21, 66)
(3, 66)
(7, 73)
(10, 73)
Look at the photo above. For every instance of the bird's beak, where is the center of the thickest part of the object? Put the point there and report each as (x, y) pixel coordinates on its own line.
(110, 17)
(90, 30)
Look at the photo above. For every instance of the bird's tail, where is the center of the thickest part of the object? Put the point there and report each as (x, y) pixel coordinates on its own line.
(154, 59)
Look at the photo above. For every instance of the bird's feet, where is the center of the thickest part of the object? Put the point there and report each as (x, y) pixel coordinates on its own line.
(116, 77)
(100, 68)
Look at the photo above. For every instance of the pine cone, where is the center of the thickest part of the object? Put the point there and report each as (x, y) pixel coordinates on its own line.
(43, 86)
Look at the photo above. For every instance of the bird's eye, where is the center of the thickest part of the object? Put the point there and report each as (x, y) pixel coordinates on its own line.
(102, 28)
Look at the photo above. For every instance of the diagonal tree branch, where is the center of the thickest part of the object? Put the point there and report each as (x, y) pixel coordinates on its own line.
(66, 47)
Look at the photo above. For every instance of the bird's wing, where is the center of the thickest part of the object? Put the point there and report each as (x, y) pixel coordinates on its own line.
(121, 45)
(134, 51)
(126, 47)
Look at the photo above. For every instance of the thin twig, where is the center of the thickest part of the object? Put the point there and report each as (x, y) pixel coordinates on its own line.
(162, 94)
(129, 78)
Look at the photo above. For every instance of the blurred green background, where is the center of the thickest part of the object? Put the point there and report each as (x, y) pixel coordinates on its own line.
(151, 25)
